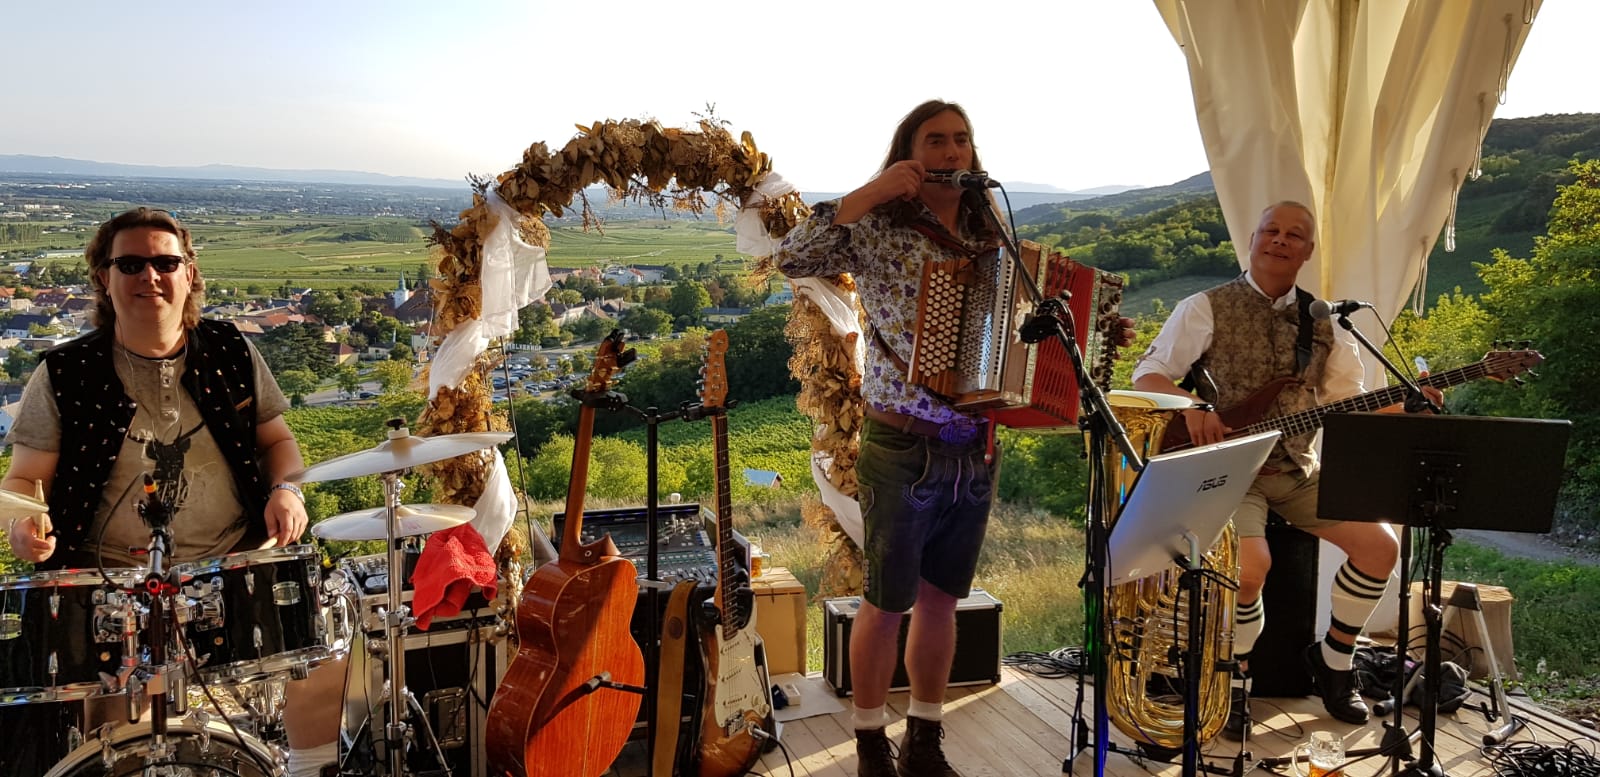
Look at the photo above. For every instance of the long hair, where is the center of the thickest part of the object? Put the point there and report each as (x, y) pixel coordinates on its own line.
(973, 203)
(99, 256)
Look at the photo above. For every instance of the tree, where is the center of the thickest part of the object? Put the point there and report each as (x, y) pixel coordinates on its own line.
(646, 321)
(296, 346)
(566, 296)
(688, 300)
(20, 362)
(393, 376)
(401, 352)
(589, 328)
(297, 384)
(348, 379)
(340, 306)
(758, 355)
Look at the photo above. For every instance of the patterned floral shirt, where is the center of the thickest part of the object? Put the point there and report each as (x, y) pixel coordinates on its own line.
(886, 262)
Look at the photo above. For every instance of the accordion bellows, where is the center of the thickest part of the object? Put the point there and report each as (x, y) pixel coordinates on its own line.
(968, 347)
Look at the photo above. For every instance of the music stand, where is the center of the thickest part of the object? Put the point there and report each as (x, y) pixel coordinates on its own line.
(1438, 473)
(1176, 511)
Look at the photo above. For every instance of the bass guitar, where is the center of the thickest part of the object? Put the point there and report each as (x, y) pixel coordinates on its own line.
(571, 694)
(735, 702)
(1247, 417)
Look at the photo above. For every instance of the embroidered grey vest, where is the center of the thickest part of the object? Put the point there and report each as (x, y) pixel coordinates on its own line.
(1251, 345)
(96, 413)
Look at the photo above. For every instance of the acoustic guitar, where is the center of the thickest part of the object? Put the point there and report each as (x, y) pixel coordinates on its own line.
(735, 701)
(570, 696)
(1247, 416)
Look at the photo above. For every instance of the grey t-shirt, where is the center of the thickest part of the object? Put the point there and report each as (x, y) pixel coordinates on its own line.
(167, 439)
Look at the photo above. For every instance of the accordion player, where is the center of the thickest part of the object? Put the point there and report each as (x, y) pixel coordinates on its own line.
(968, 348)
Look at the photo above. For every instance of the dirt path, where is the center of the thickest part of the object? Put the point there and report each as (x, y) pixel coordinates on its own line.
(1537, 547)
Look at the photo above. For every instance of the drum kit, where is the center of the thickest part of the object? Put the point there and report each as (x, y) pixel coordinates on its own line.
(244, 622)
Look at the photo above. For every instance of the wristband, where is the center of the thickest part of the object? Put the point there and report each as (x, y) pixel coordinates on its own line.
(291, 488)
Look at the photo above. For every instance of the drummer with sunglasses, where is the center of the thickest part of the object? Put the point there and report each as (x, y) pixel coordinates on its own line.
(154, 390)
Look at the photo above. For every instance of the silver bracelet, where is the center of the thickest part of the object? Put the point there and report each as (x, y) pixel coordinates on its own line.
(291, 488)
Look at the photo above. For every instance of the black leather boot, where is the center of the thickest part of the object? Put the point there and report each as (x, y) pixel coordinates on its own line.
(1341, 692)
(921, 754)
(874, 753)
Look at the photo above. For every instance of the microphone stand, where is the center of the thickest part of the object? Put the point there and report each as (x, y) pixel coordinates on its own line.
(1051, 317)
(157, 515)
(1416, 401)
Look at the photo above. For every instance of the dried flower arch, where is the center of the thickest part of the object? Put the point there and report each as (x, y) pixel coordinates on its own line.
(667, 168)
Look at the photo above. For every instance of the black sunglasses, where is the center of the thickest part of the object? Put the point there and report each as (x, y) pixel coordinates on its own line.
(133, 265)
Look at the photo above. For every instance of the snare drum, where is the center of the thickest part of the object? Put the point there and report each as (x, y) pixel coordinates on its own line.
(62, 633)
(189, 748)
(247, 616)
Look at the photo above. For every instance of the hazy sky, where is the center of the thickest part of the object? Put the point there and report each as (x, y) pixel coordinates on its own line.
(1072, 93)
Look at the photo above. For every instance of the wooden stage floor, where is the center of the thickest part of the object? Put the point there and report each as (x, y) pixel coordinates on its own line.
(1020, 728)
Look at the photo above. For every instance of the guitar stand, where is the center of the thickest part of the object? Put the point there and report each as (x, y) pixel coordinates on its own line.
(651, 582)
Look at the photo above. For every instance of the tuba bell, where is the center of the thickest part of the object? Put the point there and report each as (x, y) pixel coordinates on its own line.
(1147, 619)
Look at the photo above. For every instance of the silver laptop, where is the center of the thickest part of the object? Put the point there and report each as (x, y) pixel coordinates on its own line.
(1193, 491)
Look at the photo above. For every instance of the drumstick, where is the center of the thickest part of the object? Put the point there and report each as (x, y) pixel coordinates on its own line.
(41, 524)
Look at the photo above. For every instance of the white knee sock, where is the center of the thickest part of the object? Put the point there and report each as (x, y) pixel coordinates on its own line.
(309, 762)
(1355, 596)
(927, 710)
(862, 719)
(1248, 622)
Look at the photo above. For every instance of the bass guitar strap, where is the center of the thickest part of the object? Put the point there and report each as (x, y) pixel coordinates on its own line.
(669, 679)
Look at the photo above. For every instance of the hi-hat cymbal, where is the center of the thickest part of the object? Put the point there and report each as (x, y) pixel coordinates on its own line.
(14, 505)
(410, 520)
(398, 453)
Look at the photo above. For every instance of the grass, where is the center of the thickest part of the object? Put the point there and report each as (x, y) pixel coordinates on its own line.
(1554, 619)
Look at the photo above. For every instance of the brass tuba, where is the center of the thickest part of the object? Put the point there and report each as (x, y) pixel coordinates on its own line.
(1147, 620)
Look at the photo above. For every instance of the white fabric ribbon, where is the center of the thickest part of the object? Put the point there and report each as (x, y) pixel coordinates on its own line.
(496, 505)
(750, 232)
(845, 508)
(514, 275)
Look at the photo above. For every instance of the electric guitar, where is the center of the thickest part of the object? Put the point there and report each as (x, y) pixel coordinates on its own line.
(735, 700)
(570, 696)
(1247, 416)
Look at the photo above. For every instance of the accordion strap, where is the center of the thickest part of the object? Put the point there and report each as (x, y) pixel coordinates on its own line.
(943, 238)
(899, 363)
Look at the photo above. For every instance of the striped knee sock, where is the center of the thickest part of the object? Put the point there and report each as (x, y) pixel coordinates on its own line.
(1248, 621)
(1355, 596)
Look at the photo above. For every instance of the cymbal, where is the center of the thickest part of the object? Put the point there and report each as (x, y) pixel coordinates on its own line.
(398, 453)
(14, 505)
(411, 520)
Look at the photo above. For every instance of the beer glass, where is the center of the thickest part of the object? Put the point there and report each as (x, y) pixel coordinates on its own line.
(1324, 752)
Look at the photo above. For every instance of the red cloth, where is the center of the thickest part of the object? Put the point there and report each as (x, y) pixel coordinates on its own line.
(452, 562)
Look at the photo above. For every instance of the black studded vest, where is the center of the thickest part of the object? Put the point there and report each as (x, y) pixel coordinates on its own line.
(96, 413)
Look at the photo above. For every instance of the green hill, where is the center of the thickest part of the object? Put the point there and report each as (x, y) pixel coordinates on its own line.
(1169, 240)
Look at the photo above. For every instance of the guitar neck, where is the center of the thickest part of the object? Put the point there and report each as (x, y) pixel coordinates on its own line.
(577, 484)
(1311, 420)
(727, 550)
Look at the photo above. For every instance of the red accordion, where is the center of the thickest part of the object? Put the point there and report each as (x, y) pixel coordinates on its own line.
(967, 347)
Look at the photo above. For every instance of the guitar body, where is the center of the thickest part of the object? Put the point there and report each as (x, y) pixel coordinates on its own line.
(736, 703)
(573, 624)
(1254, 408)
(555, 713)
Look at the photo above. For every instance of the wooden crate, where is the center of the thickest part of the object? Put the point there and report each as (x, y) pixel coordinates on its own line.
(781, 620)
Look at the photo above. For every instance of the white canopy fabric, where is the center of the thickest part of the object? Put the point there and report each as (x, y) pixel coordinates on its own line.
(1371, 112)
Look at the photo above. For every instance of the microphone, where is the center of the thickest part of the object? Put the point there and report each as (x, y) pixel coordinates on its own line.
(962, 179)
(1321, 308)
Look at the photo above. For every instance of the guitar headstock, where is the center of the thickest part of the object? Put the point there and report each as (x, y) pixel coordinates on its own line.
(714, 375)
(1508, 364)
(607, 360)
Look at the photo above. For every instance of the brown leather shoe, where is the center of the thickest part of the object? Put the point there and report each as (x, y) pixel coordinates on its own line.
(921, 754)
(874, 753)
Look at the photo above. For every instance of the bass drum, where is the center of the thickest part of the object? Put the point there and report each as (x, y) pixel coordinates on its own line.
(192, 749)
